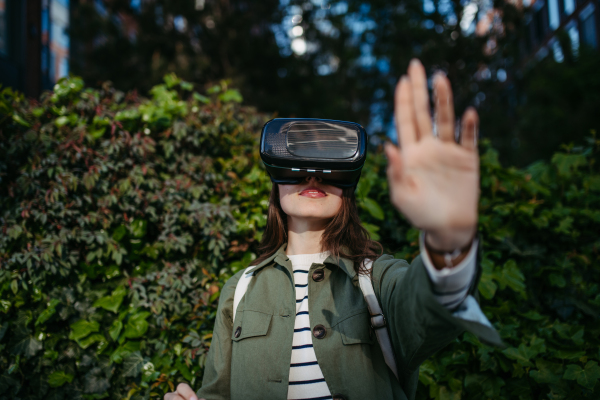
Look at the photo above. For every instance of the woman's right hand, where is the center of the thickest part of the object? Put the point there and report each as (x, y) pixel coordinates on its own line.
(183, 392)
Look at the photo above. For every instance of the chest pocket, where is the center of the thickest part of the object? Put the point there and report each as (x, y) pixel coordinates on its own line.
(251, 324)
(356, 329)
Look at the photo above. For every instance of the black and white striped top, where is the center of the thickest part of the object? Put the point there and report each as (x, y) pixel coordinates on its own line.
(306, 380)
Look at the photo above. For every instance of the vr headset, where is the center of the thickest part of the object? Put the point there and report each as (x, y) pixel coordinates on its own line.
(294, 148)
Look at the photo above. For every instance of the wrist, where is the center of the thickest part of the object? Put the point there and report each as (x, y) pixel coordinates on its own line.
(449, 240)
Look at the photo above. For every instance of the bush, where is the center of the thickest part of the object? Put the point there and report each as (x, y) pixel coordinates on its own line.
(122, 217)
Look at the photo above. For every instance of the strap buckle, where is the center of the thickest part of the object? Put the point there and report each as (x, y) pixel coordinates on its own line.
(378, 321)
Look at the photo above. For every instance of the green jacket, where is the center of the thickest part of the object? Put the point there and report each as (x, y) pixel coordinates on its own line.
(255, 362)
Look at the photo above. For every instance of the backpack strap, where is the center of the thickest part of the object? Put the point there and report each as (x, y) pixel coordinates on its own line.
(241, 288)
(378, 321)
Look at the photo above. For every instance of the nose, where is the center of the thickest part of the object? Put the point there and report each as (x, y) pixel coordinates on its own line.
(316, 178)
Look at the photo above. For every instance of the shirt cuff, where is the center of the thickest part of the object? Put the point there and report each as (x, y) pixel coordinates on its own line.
(451, 285)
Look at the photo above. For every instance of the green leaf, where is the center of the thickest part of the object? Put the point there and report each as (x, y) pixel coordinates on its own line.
(138, 228)
(59, 378)
(124, 350)
(119, 233)
(231, 95)
(82, 328)
(96, 337)
(586, 376)
(133, 364)
(20, 120)
(48, 312)
(372, 229)
(112, 302)
(185, 371)
(136, 325)
(547, 372)
(557, 280)
(27, 345)
(200, 98)
(483, 386)
(4, 306)
(115, 329)
(373, 208)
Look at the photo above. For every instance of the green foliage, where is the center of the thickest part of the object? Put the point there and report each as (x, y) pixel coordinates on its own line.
(122, 217)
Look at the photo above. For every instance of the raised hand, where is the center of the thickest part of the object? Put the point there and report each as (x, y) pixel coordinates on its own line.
(183, 392)
(433, 180)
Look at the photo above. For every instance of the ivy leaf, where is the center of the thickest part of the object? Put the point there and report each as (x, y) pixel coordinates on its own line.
(586, 376)
(480, 385)
(547, 372)
(124, 350)
(82, 328)
(112, 302)
(59, 378)
(520, 355)
(85, 343)
(373, 208)
(48, 312)
(136, 325)
(133, 364)
(27, 346)
(115, 329)
(487, 287)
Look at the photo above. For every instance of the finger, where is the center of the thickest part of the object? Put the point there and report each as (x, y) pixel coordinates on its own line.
(394, 169)
(184, 390)
(444, 107)
(404, 113)
(418, 81)
(469, 129)
(172, 396)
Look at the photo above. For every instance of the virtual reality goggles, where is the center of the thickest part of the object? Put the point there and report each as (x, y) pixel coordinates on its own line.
(295, 148)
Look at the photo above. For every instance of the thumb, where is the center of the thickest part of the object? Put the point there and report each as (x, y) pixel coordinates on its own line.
(394, 169)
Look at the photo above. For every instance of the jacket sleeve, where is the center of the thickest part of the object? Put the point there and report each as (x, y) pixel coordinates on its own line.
(217, 370)
(419, 325)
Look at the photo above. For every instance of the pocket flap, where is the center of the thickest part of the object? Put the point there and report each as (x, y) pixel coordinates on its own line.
(356, 329)
(251, 323)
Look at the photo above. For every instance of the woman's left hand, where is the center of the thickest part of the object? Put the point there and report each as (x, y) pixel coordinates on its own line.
(433, 181)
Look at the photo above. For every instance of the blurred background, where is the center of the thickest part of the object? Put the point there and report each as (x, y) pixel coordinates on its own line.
(530, 67)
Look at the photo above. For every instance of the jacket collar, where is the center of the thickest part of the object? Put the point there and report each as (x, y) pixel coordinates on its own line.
(282, 259)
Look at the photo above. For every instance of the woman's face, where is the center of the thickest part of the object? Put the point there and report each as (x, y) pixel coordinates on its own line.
(310, 200)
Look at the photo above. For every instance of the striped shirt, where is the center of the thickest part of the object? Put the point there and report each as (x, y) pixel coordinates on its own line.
(306, 380)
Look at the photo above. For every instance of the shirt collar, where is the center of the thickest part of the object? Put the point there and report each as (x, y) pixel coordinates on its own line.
(282, 259)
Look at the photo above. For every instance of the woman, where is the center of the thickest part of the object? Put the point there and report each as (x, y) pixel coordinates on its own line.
(322, 346)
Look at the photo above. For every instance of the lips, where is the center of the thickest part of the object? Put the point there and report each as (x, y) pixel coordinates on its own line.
(313, 192)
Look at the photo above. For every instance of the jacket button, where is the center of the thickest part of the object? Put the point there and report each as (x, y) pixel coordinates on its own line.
(238, 332)
(338, 397)
(319, 331)
(318, 275)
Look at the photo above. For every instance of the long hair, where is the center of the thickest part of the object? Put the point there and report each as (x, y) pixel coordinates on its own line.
(344, 235)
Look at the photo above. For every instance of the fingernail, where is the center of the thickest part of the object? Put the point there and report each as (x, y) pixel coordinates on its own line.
(404, 78)
(415, 61)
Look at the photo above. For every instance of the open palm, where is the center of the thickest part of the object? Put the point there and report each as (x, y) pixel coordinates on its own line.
(434, 181)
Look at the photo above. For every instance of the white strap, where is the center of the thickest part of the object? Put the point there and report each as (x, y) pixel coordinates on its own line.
(378, 322)
(240, 289)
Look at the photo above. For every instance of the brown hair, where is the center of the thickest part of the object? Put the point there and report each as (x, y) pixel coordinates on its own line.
(344, 236)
